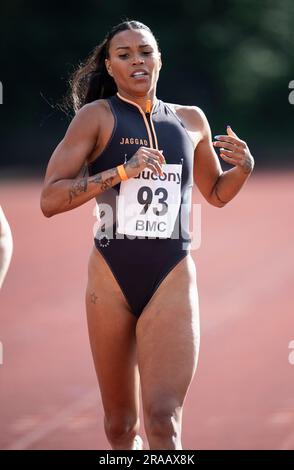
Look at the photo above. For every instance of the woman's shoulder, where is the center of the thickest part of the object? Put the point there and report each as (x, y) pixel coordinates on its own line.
(91, 115)
(96, 106)
(88, 121)
(192, 116)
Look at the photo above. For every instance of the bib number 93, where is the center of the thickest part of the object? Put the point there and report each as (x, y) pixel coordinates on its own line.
(145, 198)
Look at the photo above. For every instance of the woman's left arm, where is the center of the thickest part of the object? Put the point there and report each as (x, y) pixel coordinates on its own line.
(217, 186)
(235, 152)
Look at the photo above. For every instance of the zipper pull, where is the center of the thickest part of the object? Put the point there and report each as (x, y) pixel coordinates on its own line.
(148, 107)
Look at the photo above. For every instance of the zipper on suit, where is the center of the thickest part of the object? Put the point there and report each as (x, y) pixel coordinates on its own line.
(149, 126)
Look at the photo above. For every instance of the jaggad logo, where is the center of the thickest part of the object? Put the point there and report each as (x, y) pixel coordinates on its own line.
(291, 94)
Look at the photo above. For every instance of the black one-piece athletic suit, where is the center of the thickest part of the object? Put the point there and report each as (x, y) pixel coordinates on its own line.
(140, 264)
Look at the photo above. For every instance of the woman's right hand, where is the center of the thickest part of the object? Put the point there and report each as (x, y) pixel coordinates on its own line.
(145, 157)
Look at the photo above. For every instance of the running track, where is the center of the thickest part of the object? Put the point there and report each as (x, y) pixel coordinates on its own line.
(243, 394)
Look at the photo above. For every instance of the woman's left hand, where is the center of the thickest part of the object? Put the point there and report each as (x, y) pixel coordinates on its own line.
(234, 151)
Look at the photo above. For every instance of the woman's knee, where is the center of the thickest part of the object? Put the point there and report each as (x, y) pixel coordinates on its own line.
(163, 419)
(120, 428)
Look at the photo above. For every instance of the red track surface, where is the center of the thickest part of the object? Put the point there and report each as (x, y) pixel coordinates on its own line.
(242, 396)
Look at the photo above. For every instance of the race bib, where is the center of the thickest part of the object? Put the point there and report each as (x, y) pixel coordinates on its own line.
(148, 204)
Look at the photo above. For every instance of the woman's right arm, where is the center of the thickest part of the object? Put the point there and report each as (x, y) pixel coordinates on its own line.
(63, 190)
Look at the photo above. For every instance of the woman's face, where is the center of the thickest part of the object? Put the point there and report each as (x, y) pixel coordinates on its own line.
(132, 51)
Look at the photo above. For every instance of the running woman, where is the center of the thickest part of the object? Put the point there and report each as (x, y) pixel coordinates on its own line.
(143, 156)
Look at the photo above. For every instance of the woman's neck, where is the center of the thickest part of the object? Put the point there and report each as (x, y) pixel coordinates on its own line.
(141, 101)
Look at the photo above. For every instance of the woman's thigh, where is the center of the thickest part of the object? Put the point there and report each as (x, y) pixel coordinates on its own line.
(112, 338)
(168, 339)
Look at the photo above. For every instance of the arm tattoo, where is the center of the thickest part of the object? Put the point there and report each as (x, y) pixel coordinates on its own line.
(93, 298)
(133, 163)
(247, 166)
(104, 184)
(77, 187)
(97, 178)
(85, 170)
(107, 182)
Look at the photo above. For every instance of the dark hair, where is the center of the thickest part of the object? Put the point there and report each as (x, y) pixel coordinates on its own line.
(91, 81)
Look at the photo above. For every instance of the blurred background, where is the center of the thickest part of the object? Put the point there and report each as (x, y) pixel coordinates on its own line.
(235, 60)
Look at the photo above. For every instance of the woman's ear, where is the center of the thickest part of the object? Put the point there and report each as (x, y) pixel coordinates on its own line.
(160, 61)
(108, 67)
